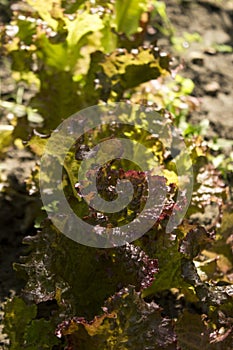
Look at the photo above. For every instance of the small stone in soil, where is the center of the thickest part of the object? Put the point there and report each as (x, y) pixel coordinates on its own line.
(212, 88)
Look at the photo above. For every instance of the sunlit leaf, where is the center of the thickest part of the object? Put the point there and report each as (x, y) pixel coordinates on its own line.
(5, 136)
(44, 9)
(128, 14)
(82, 25)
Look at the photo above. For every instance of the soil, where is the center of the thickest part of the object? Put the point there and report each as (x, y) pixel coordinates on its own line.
(211, 71)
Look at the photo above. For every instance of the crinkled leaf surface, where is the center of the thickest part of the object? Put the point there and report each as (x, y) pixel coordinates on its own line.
(129, 69)
(128, 323)
(195, 241)
(209, 188)
(83, 276)
(81, 26)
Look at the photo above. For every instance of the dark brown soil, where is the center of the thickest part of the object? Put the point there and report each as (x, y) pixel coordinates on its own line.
(211, 72)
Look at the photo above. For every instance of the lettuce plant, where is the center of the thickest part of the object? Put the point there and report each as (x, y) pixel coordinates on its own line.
(149, 294)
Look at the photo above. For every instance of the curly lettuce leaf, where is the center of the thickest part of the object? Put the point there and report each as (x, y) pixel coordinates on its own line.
(128, 322)
(78, 276)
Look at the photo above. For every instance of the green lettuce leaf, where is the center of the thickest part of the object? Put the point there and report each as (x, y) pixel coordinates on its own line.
(128, 14)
